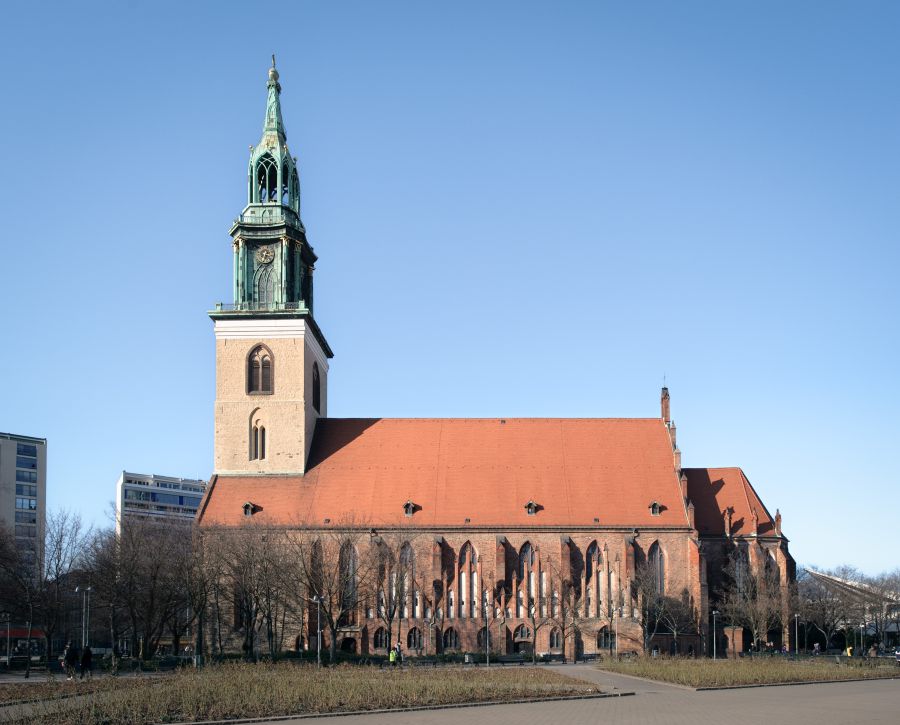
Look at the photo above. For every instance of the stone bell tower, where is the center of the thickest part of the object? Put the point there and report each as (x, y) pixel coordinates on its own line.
(271, 356)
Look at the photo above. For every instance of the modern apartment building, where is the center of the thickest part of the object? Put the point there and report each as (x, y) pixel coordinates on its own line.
(152, 496)
(23, 493)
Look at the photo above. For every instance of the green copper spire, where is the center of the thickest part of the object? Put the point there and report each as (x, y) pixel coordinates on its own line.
(274, 123)
(272, 174)
(273, 261)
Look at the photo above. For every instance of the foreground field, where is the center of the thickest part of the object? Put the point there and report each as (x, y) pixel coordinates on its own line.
(241, 690)
(757, 671)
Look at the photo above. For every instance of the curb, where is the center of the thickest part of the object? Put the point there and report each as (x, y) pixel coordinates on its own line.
(793, 684)
(418, 708)
(712, 688)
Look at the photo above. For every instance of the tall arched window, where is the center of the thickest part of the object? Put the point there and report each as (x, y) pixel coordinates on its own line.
(348, 572)
(265, 286)
(657, 562)
(316, 389)
(593, 581)
(408, 591)
(257, 442)
(259, 371)
(266, 179)
(741, 569)
(526, 560)
(468, 582)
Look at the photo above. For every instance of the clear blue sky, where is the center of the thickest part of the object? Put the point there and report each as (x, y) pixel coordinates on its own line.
(520, 209)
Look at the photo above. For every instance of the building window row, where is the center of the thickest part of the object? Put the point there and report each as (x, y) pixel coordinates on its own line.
(23, 489)
(26, 531)
(26, 449)
(26, 476)
(25, 462)
(28, 504)
(26, 517)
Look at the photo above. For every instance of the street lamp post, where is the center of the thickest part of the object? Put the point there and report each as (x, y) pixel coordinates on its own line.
(85, 613)
(715, 614)
(318, 600)
(796, 634)
(8, 617)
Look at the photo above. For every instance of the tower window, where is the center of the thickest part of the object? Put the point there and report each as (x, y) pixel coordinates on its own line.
(259, 371)
(258, 442)
(316, 389)
(266, 179)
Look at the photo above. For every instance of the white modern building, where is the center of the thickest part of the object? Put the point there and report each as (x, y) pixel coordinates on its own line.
(159, 497)
(23, 493)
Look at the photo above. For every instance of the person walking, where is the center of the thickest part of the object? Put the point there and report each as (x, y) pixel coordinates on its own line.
(70, 659)
(392, 657)
(87, 658)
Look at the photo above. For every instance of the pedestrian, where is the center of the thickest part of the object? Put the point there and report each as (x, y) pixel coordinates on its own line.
(87, 662)
(399, 655)
(70, 658)
(392, 657)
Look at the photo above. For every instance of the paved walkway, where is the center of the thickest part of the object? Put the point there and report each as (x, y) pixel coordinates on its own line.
(838, 703)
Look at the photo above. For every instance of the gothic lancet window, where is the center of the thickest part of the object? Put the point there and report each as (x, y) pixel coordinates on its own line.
(657, 562)
(266, 179)
(258, 442)
(265, 280)
(259, 371)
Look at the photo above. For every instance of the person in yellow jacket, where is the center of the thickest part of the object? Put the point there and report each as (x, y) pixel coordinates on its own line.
(392, 657)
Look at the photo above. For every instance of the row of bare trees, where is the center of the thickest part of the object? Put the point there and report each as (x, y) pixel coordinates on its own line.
(835, 602)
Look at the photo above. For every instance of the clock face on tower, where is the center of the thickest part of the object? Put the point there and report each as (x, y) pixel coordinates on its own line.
(264, 255)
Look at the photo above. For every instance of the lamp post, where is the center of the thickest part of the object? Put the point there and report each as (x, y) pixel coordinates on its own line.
(85, 613)
(715, 614)
(8, 617)
(616, 626)
(318, 600)
(796, 634)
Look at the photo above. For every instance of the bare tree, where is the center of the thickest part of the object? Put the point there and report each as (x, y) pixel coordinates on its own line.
(333, 573)
(824, 607)
(679, 616)
(651, 602)
(20, 585)
(135, 573)
(537, 609)
(752, 597)
(65, 544)
(392, 563)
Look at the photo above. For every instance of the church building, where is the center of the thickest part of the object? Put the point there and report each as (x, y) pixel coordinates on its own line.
(502, 515)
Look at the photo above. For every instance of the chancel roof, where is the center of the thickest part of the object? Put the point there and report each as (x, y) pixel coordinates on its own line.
(714, 490)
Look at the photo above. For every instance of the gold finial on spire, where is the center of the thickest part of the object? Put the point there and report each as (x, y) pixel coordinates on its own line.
(273, 74)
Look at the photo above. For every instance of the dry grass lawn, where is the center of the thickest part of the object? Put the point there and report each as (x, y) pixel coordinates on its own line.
(243, 690)
(755, 671)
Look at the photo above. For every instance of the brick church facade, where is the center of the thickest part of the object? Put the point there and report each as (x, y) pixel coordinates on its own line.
(508, 524)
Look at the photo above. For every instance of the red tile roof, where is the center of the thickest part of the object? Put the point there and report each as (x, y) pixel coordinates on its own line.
(485, 470)
(712, 490)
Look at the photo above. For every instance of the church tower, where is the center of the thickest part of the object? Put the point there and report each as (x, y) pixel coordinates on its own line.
(271, 356)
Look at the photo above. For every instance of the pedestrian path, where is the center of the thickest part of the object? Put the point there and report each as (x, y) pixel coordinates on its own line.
(840, 703)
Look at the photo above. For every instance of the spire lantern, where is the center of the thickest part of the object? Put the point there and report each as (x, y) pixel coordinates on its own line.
(274, 263)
